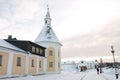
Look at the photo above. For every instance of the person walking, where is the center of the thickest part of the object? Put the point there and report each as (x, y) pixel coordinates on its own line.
(97, 70)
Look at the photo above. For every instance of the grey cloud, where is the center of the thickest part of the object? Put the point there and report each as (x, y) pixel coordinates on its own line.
(94, 44)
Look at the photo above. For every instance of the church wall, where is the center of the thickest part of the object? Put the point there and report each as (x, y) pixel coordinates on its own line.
(48, 39)
(59, 60)
(3, 67)
(50, 59)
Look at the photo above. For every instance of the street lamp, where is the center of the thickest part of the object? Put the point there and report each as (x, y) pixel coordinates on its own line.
(116, 74)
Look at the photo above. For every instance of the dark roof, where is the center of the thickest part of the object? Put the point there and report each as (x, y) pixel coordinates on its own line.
(27, 46)
(23, 42)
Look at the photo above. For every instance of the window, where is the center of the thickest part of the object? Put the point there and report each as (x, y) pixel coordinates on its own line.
(1, 59)
(45, 21)
(50, 64)
(59, 54)
(37, 50)
(39, 64)
(18, 61)
(51, 53)
(41, 51)
(33, 48)
(59, 64)
(82, 61)
(32, 63)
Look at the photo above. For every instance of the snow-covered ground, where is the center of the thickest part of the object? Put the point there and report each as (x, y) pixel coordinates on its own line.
(72, 75)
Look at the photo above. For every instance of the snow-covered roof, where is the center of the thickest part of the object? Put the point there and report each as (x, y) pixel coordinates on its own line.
(5, 44)
(68, 62)
(47, 33)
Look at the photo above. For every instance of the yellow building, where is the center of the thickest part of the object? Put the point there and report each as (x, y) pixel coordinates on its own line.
(8, 55)
(15, 61)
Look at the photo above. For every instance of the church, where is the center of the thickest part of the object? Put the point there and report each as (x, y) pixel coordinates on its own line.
(48, 39)
(21, 57)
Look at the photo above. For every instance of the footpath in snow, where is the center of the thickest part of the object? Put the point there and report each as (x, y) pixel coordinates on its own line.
(92, 75)
(64, 75)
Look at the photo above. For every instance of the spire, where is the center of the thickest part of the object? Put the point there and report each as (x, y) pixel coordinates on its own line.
(47, 18)
(47, 33)
(48, 13)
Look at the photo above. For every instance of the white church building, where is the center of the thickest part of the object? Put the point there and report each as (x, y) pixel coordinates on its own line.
(47, 38)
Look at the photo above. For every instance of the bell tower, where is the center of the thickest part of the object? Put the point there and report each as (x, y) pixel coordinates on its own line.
(48, 39)
(47, 18)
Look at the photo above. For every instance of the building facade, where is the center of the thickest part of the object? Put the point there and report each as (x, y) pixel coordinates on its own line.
(84, 65)
(20, 57)
(48, 39)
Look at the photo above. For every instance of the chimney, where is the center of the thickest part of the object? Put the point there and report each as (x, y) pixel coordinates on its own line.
(9, 37)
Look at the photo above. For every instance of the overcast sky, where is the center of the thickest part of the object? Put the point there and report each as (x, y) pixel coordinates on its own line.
(86, 28)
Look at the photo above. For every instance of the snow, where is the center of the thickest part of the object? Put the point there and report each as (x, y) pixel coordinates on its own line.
(47, 33)
(109, 73)
(44, 36)
(68, 68)
(72, 75)
(5, 44)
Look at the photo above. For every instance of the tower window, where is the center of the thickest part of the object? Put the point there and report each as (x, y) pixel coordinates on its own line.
(18, 61)
(1, 60)
(50, 64)
(50, 53)
(32, 63)
(45, 21)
